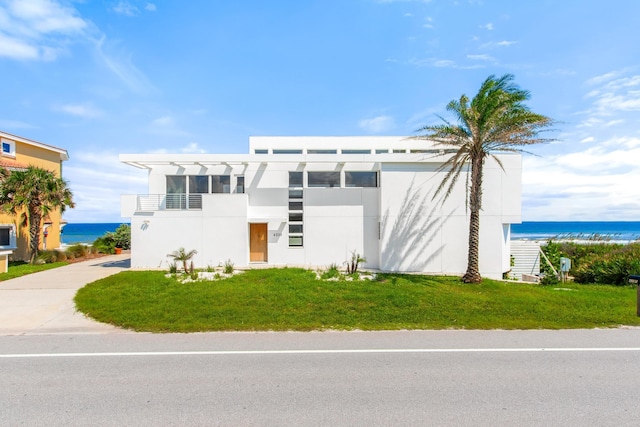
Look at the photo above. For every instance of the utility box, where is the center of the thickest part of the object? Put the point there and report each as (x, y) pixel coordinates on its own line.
(565, 265)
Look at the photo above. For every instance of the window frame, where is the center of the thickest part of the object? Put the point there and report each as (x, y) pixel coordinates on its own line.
(11, 145)
(349, 174)
(314, 175)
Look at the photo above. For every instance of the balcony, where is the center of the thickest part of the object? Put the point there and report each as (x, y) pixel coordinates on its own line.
(131, 204)
(162, 202)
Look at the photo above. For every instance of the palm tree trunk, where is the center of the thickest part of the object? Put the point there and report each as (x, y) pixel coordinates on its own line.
(473, 272)
(475, 205)
(34, 235)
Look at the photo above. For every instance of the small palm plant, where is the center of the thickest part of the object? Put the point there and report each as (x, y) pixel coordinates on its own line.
(354, 263)
(181, 255)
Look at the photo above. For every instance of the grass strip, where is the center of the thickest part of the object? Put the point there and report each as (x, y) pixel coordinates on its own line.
(292, 299)
(22, 269)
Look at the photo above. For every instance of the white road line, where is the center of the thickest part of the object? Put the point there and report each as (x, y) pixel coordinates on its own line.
(344, 351)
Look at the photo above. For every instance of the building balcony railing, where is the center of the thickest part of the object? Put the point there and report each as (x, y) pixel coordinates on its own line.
(161, 202)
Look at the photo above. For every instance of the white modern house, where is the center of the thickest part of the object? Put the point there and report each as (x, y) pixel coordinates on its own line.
(311, 201)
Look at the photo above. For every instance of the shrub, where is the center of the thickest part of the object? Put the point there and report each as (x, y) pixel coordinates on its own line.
(181, 255)
(228, 267)
(122, 236)
(613, 267)
(51, 256)
(77, 251)
(354, 262)
(333, 271)
(173, 268)
(549, 280)
(105, 244)
(192, 272)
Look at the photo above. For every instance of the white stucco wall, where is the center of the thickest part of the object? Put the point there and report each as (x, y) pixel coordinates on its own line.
(397, 226)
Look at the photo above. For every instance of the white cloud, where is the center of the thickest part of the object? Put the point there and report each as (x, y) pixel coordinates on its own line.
(79, 110)
(428, 22)
(589, 184)
(125, 8)
(588, 139)
(442, 63)
(122, 66)
(150, 7)
(613, 95)
(164, 121)
(167, 126)
(488, 26)
(481, 57)
(503, 43)
(37, 29)
(192, 148)
(87, 171)
(377, 124)
(603, 78)
(15, 124)
(17, 49)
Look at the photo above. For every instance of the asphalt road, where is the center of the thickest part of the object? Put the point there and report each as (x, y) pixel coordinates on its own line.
(582, 377)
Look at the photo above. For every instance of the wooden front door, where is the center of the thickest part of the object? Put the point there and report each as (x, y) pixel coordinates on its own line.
(258, 242)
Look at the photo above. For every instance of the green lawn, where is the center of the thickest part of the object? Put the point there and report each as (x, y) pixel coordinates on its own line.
(292, 299)
(18, 269)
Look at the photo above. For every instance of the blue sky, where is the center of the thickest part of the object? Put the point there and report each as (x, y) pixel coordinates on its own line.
(101, 78)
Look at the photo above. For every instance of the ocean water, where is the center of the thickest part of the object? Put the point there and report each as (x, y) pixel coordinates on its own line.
(532, 230)
(623, 231)
(86, 233)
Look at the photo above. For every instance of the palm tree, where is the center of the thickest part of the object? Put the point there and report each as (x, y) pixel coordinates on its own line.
(35, 192)
(496, 120)
(183, 256)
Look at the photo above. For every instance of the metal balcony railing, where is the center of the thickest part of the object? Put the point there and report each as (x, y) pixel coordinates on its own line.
(161, 202)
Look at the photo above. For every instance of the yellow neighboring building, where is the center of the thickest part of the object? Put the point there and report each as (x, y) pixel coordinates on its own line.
(19, 153)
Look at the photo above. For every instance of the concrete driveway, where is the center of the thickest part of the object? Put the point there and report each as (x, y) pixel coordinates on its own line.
(42, 303)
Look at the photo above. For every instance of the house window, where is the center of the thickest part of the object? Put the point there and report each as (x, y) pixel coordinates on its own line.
(261, 151)
(176, 192)
(186, 192)
(295, 179)
(8, 147)
(295, 228)
(240, 184)
(5, 236)
(287, 151)
(220, 184)
(296, 207)
(295, 241)
(322, 151)
(381, 151)
(361, 179)
(199, 184)
(295, 194)
(324, 179)
(356, 151)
